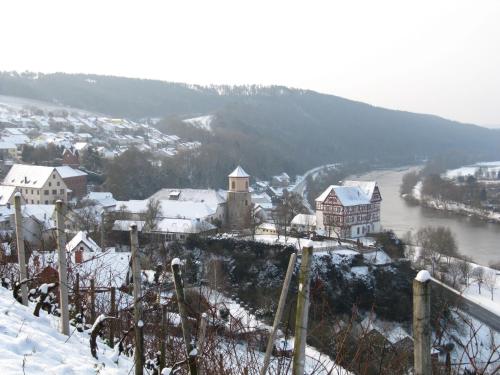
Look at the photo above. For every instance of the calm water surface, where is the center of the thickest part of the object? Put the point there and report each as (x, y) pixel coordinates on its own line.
(478, 239)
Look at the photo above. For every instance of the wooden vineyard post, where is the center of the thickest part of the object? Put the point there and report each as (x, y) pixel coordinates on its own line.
(21, 255)
(302, 313)
(179, 290)
(63, 268)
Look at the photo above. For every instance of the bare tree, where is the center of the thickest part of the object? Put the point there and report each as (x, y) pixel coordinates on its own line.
(151, 215)
(290, 205)
(490, 281)
(465, 270)
(478, 275)
(454, 273)
(436, 242)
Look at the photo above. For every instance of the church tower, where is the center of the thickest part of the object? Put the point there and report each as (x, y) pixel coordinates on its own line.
(239, 200)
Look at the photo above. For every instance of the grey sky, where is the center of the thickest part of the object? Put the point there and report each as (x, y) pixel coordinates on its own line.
(440, 57)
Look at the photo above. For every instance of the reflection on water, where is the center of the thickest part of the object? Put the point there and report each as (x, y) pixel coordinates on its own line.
(476, 238)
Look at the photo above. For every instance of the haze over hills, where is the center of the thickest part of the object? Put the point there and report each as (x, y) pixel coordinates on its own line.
(269, 129)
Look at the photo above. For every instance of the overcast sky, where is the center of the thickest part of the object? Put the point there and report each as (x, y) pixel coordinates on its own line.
(439, 56)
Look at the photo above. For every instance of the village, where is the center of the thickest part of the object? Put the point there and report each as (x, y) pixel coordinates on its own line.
(40, 201)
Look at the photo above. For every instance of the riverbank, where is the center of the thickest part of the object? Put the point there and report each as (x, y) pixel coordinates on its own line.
(476, 238)
(457, 208)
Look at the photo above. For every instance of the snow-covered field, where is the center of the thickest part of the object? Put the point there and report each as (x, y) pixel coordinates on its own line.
(31, 345)
(474, 339)
(454, 206)
(471, 291)
(484, 298)
(470, 170)
(202, 122)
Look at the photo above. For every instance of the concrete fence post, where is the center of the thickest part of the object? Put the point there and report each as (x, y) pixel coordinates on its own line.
(422, 323)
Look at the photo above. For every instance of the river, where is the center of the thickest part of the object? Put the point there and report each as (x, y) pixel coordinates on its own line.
(475, 238)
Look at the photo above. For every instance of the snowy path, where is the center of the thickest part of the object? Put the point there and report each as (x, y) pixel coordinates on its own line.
(475, 307)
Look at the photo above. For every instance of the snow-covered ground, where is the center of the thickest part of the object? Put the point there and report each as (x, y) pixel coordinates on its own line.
(316, 362)
(453, 206)
(31, 345)
(202, 122)
(482, 345)
(471, 291)
(470, 170)
(484, 298)
(299, 242)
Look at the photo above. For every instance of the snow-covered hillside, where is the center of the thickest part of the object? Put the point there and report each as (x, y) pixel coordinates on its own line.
(31, 345)
(202, 122)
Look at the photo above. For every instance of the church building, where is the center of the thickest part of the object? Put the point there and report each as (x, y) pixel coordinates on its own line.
(239, 200)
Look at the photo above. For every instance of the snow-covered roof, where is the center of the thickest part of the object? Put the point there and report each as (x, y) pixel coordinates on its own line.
(239, 172)
(44, 213)
(80, 145)
(104, 199)
(124, 225)
(167, 225)
(6, 193)
(171, 208)
(183, 226)
(67, 172)
(6, 145)
(208, 196)
(304, 219)
(82, 237)
(267, 226)
(348, 195)
(367, 186)
(393, 332)
(17, 139)
(24, 175)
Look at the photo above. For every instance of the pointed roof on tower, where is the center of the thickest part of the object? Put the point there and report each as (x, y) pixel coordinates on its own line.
(239, 172)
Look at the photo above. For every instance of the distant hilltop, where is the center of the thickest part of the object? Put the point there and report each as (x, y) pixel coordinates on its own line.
(266, 128)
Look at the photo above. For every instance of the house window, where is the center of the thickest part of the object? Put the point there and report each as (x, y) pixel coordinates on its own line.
(58, 183)
(54, 176)
(54, 192)
(46, 192)
(46, 202)
(50, 183)
(61, 191)
(32, 191)
(233, 185)
(246, 184)
(246, 202)
(37, 202)
(38, 192)
(32, 201)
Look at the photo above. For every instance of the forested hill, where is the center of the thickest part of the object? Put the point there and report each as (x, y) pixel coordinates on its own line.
(269, 129)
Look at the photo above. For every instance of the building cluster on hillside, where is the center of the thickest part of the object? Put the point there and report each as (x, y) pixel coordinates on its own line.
(76, 131)
(348, 211)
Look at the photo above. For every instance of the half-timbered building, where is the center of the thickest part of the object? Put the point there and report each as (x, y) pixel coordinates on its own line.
(350, 210)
